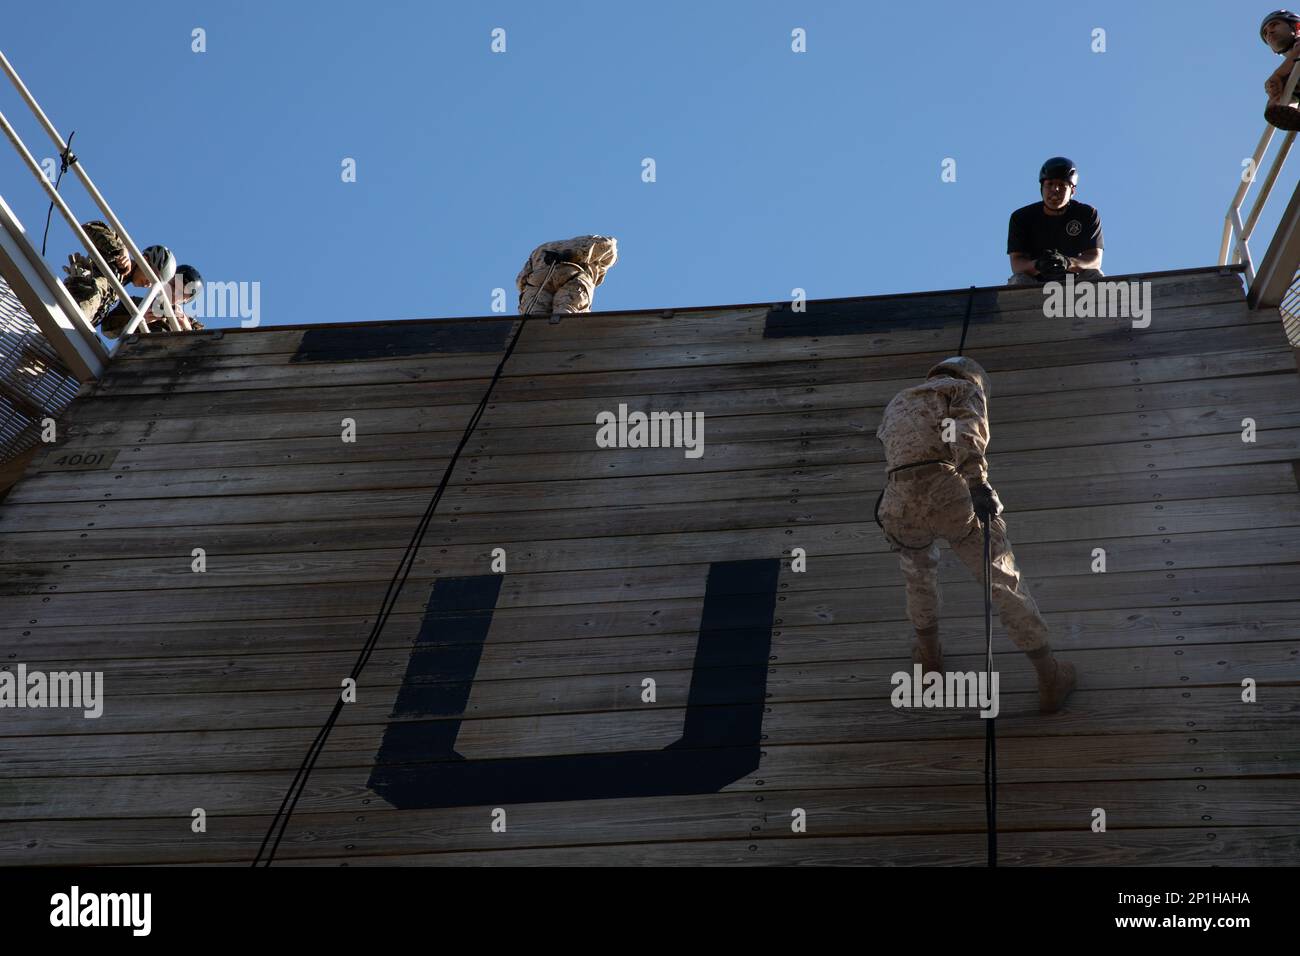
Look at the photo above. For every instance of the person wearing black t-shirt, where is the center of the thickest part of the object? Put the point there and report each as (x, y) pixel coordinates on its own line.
(1279, 31)
(1048, 239)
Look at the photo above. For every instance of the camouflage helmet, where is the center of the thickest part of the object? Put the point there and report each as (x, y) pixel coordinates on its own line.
(959, 366)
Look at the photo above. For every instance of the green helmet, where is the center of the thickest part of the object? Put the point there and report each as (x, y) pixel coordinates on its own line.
(959, 366)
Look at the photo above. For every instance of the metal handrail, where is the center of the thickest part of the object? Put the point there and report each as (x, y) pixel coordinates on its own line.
(137, 311)
(1231, 252)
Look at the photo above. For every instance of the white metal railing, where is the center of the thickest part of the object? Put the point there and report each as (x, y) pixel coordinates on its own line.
(39, 274)
(1235, 247)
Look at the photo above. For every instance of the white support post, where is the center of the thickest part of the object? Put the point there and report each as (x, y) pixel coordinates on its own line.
(1243, 247)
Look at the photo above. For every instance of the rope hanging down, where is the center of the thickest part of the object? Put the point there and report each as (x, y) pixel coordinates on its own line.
(990, 733)
(965, 323)
(280, 822)
(66, 159)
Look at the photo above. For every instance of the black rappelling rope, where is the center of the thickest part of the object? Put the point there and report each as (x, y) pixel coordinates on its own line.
(66, 159)
(965, 323)
(990, 733)
(280, 822)
(990, 736)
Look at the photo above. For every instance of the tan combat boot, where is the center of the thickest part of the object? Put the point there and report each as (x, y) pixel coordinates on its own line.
(927, 651)
(1055, 679)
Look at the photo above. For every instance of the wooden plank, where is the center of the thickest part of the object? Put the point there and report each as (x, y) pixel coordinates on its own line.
(892, 335)
(1247, 846)
(136, 706)
(1271, 444)
(1175, 695)
(731, 495)
(868, 812)
(621, 537)
(1168, 293)
(998, 357)
(1044, 543)
(806, 635)
(833, 767)
(1175, 397)
(1281, 410)
(608, 682)
(792, 377)
(570, 596)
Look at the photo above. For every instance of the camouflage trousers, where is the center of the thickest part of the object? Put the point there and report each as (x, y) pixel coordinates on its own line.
(569, 290)
(93, 293)
(932, 503)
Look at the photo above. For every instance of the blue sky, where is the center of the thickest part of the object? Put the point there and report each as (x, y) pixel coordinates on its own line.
(775, 170)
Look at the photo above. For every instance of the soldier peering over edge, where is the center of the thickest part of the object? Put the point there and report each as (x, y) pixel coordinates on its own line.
(1279, 31)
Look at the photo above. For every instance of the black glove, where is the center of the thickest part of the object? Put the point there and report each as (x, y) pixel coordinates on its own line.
(1052, 264)
(985, 501)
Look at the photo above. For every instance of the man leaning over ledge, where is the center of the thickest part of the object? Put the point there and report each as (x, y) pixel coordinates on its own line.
(1048, 240)
(562, 276)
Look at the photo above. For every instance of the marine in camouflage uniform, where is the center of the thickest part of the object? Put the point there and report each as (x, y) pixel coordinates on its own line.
(90, 287)
(94, 293)
(934, 489)
(584, 260)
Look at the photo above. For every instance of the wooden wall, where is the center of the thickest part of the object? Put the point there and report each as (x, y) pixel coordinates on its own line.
(524, 690)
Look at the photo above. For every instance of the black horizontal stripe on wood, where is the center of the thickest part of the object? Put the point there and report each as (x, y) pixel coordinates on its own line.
(859, 317)
(391, 340)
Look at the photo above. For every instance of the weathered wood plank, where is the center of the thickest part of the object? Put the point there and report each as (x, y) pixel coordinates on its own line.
(1113, 695)
(792, 377)
(1170, 397)
(868, 812)
(729, 495)
(560, 602)
(873, 634)
(1272, 444)
(1227, 846)
(1168, 294)
(1133, 344)
(1026, 326)
(1279, 411)
(832, 766)
(1046, 543)
(503, 725)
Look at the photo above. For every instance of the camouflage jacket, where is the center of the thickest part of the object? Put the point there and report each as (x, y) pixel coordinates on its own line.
(595, 255)
(110, 246)
(912, 427)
